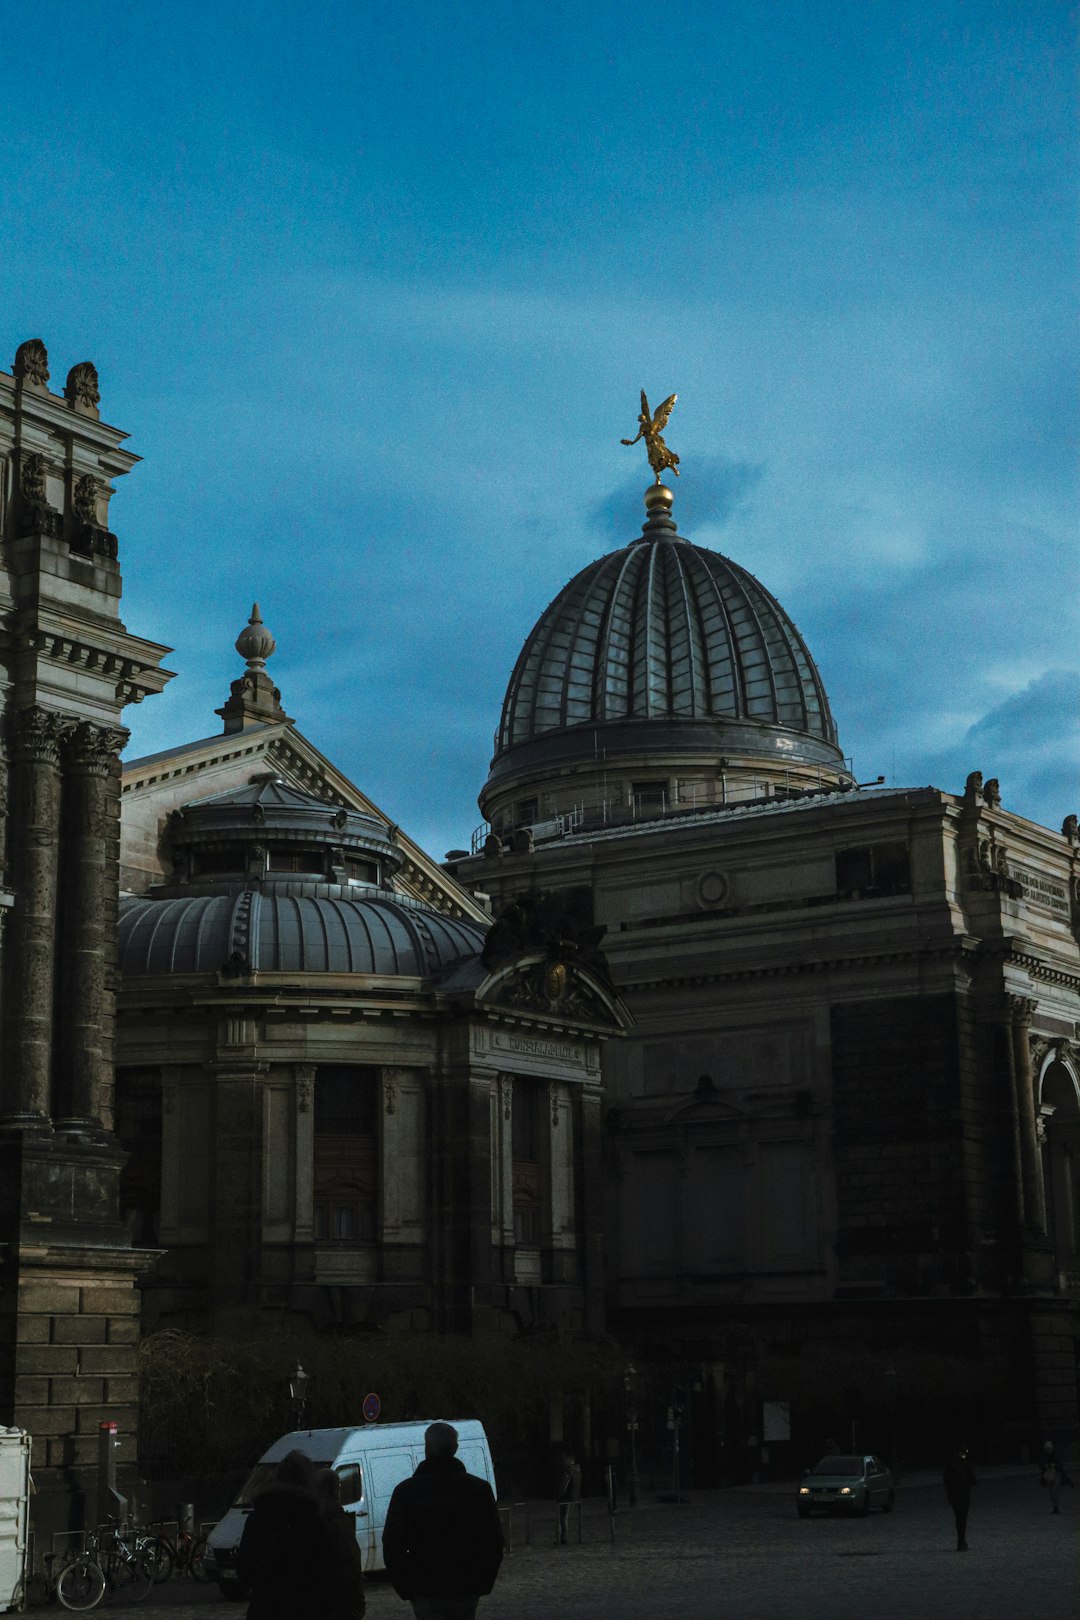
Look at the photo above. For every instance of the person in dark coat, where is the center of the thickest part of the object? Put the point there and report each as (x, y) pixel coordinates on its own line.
(285, 1556)
(959, 1477)
(569, 1491)
(347, 1599)
(442, 1541)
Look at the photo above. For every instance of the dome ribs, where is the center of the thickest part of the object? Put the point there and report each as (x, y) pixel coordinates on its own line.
(723, 670)
(614, 667)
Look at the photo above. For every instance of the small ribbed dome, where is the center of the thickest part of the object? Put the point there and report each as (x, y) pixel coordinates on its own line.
(663, 630)
(287, 934)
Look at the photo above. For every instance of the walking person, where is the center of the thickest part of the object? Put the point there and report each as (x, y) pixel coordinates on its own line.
(347, 1599)
(285, 1556)
(569, 1491)
(442, 1541)
(958, 1479)
(1053, 1474)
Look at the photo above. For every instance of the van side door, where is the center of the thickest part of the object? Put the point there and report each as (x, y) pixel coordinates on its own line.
(353, 1500)
(386, 1469)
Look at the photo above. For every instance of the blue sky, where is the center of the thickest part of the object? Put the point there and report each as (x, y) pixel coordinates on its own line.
(374, 288)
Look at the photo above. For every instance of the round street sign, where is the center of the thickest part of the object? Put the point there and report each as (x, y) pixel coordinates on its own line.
(372, 1408)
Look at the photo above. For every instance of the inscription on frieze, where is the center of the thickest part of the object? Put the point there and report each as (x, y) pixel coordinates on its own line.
(1039, 890)
(536, 1047)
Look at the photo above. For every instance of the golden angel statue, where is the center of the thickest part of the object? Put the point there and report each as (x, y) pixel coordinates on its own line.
(650, 428)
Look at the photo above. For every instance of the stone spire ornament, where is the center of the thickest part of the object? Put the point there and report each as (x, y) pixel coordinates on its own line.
(253, 700)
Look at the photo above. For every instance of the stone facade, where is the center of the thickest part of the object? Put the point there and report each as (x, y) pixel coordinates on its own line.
(68, 666)
(339, 1098)
(845, 1121)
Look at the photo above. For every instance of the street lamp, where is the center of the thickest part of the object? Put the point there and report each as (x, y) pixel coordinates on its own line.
(630, 1386)
(298, 1388)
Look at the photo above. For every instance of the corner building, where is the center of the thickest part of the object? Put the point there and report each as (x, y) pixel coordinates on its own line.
(842, 1136)
(341, 1100)
(69, 1306)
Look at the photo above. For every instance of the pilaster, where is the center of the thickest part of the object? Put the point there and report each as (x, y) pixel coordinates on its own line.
(88, 901)
(37, 735)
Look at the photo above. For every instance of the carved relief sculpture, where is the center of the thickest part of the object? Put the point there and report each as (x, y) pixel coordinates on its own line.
(32, 479)
(32, 362)
(84, 498)
(81, 387)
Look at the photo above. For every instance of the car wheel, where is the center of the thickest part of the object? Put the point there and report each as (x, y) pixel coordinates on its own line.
(887, 1505)
(863, 1510)
(803, 1512)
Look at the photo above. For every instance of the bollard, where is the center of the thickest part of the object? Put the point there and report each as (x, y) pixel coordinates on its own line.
(110, 1504)
(185, 1517)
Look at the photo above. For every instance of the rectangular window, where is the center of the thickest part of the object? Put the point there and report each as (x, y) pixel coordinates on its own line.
(297, 860)
(211, 861)
(346, 1153)
(649, 797)
(526, 812)
(525, 1128)
(867, 870)
(138, 1128)
(350, 1483)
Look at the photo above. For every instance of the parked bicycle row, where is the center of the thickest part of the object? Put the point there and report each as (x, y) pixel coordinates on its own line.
(124, 1559)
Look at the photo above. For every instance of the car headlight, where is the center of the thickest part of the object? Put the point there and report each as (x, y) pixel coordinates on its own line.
(804, 1490)
(845, 1490)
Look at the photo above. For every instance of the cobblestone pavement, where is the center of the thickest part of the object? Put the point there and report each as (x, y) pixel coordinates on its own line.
(745, 1554)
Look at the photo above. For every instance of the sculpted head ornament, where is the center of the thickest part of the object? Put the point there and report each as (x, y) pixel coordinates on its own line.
(32, 362)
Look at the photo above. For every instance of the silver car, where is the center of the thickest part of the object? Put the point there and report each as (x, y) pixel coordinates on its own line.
(852, 1484)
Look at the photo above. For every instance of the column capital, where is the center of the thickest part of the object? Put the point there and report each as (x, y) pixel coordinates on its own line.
(92, 750)
(1020, 1009)
(37, 734)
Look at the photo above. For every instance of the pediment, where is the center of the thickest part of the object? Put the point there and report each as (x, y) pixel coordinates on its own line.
(565, 991)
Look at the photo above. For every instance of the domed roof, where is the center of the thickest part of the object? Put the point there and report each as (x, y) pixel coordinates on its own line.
(668, 635)
(273, 933)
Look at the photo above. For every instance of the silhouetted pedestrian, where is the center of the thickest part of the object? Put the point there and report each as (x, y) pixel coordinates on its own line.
(347, 1600)
(285, 1559)
(1053, 1474)
(569, 1491)
(959, 1477)
(442, 1541)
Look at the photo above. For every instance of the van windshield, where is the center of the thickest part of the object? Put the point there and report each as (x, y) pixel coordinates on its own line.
(260, 1477)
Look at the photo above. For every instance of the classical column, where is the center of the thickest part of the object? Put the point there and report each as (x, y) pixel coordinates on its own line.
(1061, 1171)
(31, 942)
(1021, 1012)
(87, 899)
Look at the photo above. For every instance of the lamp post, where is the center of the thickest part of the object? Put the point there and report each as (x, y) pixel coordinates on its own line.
(630, 1386)
(298, 1388)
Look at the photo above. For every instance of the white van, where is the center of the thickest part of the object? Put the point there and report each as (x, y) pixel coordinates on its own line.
(369, 1461)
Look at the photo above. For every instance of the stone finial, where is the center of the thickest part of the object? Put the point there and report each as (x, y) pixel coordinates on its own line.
(253, 700)
(255, 643)
(973, 787)
(32, 362)
(992, 793)
(81, 388)
(1070, 829)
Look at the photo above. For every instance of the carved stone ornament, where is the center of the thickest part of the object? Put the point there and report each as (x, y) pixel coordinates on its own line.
(32, 478)
(92, 750)
(81, 387)
(37, 734)
(391, 1079)
(555, 980)
(506, 1086)
(305, 1085)
(973, 787)
(553, 1093)
(992, 793)
(32, 362)
(1022, 1009)
(84, 498)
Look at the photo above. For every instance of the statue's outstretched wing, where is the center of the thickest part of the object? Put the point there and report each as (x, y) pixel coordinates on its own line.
(660, 420)
(646, 413)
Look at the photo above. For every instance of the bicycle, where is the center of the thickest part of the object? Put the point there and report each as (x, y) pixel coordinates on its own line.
(185, 1553)
(124, 1559)
(77, 1580)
